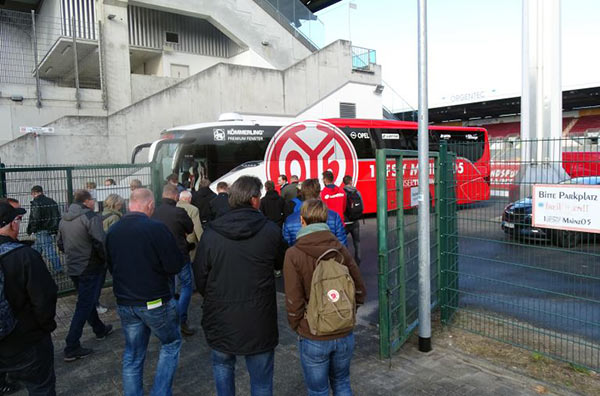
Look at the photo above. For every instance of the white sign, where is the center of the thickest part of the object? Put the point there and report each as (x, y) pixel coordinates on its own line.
(36, 130)
(566, 207)
(414, 196)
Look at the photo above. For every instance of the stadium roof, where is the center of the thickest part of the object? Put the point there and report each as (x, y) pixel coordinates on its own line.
(318, 5)
(573, 99)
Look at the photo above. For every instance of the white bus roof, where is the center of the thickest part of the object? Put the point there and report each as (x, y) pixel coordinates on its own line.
(246, 120)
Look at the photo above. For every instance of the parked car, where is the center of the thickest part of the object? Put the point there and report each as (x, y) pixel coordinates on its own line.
(516, 220)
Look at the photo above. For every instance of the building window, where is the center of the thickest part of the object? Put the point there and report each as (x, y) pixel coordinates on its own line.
(347, 110)
(171, 37)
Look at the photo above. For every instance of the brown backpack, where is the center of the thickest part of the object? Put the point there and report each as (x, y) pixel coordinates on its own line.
(331, 307)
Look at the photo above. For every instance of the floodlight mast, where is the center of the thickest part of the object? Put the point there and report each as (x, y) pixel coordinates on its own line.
(423, 217)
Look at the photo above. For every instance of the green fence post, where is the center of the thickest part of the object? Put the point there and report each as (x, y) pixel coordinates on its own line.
(400, 269)
(442, 219)
(3, 191)
(382, 249)
(69, 185)
(155, 181)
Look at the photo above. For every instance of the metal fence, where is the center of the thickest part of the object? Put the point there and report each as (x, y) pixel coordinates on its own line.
(60, 183)
(363, 58)
(530, 286)
(48, 51)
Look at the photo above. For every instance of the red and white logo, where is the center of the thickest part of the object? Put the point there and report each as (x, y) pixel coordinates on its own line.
(333, 295)
(309, 148)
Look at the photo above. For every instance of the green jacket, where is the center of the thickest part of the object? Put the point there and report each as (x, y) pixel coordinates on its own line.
(110, 217)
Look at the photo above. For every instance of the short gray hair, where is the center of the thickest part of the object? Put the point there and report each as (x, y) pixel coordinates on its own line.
(243, 190)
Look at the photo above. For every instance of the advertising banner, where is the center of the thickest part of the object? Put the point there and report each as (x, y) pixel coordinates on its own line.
(566, 207)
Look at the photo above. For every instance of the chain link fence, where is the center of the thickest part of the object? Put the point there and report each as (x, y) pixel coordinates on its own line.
(520, 282)
(59, 183)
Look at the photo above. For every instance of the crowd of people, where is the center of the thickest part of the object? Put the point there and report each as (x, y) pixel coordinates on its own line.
(231, 245)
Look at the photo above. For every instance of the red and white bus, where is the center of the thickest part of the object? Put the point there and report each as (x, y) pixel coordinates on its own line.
(225, 150)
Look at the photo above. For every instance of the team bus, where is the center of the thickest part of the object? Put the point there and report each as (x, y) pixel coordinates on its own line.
(235, 146)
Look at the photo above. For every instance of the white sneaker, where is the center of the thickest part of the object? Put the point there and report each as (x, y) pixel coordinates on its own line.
(101, 309)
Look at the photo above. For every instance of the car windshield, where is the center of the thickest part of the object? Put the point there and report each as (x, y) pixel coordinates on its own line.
(593, 180)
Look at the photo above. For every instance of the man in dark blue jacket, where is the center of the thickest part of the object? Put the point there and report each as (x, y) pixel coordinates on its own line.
(310, 190)
(143, 257)
(234, 273)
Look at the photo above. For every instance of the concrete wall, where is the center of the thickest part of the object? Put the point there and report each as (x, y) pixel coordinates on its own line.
(368, 103)
(143, 86)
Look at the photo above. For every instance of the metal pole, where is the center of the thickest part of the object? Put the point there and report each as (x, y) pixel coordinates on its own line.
(424, 276)
(77, 98)
(101, 66)
(38, 92)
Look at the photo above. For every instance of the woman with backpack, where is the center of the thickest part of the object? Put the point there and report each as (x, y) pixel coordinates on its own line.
(323, 287)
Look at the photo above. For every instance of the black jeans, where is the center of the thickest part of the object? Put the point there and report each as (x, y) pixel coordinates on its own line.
(354, 230)
(88, 286)
(34, 367)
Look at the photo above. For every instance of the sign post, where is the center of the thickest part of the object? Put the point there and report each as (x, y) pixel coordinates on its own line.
(36, 131)
(423, 197)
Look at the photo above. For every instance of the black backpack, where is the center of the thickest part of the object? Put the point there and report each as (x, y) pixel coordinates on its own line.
(354, 205)
(7, 318)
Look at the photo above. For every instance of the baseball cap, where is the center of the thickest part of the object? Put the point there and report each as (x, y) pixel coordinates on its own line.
(8, 213)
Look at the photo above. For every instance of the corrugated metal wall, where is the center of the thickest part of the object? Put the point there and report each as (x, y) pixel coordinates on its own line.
(147, 28)
(84, 12)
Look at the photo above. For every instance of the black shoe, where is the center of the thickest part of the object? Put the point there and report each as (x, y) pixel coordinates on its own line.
(79, 353)
(108, 330)
(186, 330)
(8, 388)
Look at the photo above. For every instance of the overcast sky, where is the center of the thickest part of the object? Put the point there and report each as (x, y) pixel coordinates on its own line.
(474, 45)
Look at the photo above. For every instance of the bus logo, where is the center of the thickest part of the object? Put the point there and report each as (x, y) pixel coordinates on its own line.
(309, 148)
(219, 135)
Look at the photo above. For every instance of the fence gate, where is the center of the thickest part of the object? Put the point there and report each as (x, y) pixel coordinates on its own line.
(398, 245)
(59, 183)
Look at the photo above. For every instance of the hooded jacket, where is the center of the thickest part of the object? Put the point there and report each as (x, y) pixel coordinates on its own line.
(335, 199)
(298, 268)
(234, 273)
(110, 217)
(292, 225)
(31, 294)
(81, 238)
(44, 215)
(201, 199)
(273, 207)
(219, 205)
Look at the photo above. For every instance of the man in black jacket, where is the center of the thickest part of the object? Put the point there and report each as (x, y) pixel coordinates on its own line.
(272, 205)
(27, 352)
(81, 237)
(143, 257)
(43, 222)
(219, 205)
(179, 223)
(201, 199)
(234, 267)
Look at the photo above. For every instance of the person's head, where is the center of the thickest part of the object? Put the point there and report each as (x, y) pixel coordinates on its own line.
(310, 189)
(203, 183)
(313, 211)
(281, 180)
(11, 201)
(245, 192)
(170, 191)
(269, 185)
(110, 182)
(83, 197)
(173, 179)
(135, 184)
(142, 200)
(114, 202)
(10, 219)
(294, 179)
(222, 187)
(347, 180)
(90, 185)
(36, 191)
(328, 177)
(185, 196)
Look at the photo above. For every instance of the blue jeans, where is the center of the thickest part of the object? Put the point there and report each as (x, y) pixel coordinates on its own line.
(138, 323)
(44, 244)
(260, 368)
(326, 363)
(88, 286)
(185, 295)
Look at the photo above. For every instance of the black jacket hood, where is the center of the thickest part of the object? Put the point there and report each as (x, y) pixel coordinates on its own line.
(272, 195)
(204, 192)
(239, 224)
